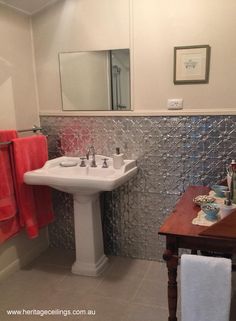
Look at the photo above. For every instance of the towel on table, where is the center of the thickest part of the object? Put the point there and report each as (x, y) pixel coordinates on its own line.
(34, 202)
(205, 288)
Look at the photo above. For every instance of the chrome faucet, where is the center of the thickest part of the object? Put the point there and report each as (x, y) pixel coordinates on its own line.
(91, 150)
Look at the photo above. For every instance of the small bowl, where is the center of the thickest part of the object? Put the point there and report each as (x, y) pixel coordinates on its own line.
(211, 210)
(219, 190)
(203, 199)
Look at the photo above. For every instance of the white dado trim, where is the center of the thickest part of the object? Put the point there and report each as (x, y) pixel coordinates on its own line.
(182, 112)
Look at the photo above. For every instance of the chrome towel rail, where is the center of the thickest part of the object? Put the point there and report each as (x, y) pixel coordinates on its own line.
(33, 129)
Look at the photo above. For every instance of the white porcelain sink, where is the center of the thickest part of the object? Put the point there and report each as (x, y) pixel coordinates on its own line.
(85, 180)
(85, 183)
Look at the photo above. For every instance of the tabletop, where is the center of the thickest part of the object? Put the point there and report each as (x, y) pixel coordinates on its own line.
(179, 223)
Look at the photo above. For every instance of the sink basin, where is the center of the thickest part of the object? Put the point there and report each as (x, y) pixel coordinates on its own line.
(76, 179)
(85, 183)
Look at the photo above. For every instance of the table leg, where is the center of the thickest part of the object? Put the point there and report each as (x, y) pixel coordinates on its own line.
(171, 258)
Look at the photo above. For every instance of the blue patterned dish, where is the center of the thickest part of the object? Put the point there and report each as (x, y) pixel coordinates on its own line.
(211, 210)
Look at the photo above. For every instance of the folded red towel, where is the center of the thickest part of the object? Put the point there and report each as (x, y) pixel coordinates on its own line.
(34, 202)
(7, 195)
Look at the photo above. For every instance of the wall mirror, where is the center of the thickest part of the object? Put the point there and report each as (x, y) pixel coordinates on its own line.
(95, 80)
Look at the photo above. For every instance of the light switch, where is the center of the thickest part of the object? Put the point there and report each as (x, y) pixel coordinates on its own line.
(175, 103)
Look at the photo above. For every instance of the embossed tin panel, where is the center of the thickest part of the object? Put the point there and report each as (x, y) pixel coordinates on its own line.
(171, 152)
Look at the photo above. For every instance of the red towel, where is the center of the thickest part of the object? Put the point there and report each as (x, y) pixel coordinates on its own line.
(7, 196)
(9, 224)
(34, 202)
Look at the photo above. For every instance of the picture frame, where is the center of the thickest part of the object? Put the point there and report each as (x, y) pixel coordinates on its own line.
(191, 64)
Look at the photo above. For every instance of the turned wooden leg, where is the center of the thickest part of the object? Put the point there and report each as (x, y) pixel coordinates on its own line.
(171, 258)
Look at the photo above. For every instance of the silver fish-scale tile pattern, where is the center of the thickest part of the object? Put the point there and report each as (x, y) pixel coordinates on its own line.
(172, 153)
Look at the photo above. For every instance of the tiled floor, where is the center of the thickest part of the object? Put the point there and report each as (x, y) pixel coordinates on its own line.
(130, 290)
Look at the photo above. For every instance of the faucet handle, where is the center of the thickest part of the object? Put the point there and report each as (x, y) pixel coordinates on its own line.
(82, 164)
(105, 165)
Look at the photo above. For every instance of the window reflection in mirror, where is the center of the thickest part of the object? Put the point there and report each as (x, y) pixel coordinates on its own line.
(95, 80)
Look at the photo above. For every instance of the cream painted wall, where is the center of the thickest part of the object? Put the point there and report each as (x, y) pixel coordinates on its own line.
(18, 109)
(151, 29)
(74, 25)
(18, 102)
(158, 26)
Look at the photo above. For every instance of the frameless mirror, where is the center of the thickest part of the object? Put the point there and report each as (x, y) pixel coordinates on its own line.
(95, 80)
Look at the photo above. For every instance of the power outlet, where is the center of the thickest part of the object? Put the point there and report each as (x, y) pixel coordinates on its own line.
(175, 103)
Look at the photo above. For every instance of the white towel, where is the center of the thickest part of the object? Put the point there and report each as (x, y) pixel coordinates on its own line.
(205, 288)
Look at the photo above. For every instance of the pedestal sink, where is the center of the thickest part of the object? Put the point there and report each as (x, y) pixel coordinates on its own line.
(85, 183)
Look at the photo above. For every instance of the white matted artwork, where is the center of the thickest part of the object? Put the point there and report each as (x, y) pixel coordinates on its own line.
(191, 64)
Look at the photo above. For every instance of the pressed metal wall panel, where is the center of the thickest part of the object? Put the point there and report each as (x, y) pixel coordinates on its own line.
(172, 153)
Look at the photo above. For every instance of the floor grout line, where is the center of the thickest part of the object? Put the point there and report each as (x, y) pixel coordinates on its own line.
(138, 288)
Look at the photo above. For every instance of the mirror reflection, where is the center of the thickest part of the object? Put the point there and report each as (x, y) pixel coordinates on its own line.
(95, 80)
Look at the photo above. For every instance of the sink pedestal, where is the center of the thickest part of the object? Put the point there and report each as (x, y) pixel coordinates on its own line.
(85, 183)
(90, 258)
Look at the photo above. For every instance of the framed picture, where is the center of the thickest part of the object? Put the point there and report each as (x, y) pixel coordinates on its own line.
(191, 64)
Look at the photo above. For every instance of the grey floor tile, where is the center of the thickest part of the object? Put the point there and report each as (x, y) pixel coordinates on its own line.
(157, 271)
(65, 301)
(80, 285)
(152, 293)
(106, 309)
(130, 290)
(30, 286)
(122, 266)
(118, 287)
(138, 312)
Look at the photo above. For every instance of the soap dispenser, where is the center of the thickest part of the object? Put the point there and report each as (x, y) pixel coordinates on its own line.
(233, 181)
(118, 159)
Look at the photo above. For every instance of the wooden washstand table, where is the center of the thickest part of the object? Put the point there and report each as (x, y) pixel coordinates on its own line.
(181, 233)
